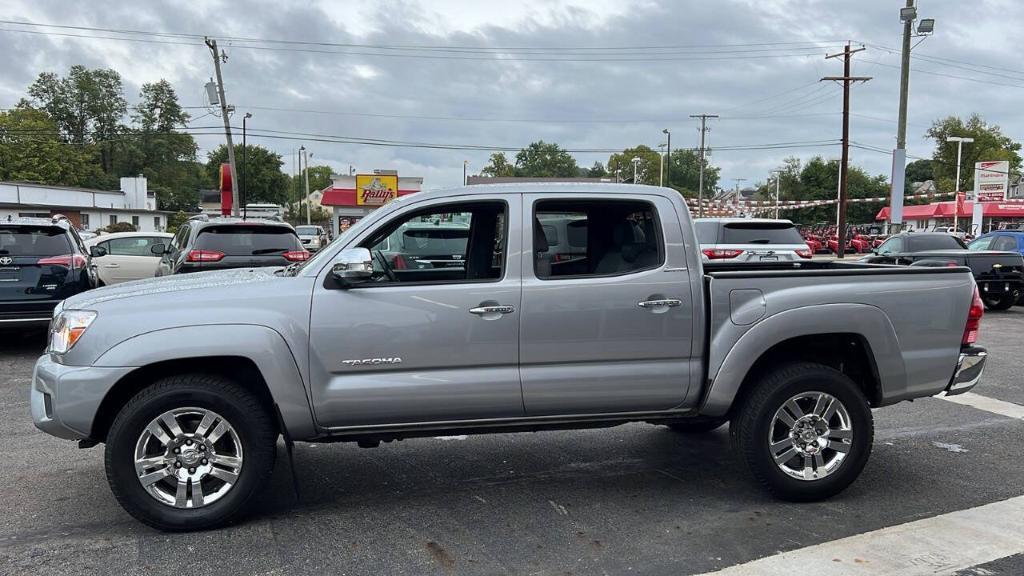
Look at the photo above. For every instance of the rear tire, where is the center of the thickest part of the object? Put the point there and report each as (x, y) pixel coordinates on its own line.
(208, 482)
(696, 425)
(826, 447)
(1004, 302)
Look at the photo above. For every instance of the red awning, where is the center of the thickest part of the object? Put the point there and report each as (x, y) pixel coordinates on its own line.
(347, 196)
(945, 210)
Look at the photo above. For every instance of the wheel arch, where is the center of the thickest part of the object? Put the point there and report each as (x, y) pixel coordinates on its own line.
(267, 367)
(857, 339)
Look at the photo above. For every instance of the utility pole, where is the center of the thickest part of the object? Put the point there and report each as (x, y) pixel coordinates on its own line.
(661, 167)
(636, 164)
(212, 44)
(846, 79)
(243, 196)
(465, 163)
(703, 130)
(306, 157)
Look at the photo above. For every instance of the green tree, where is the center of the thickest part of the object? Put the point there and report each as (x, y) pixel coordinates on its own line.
(88, 106)
(819, 180)
(684, 175)
(264, 180)
(543, 159)
(647, 170)
(174, 221)
(157, 150)
(597, 171)
(32, 151)
(989, 144)
(919, 171)
(498, 165)
(319, 178)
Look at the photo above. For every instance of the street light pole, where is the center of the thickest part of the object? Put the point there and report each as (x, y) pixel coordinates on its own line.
(778, 177)
(668, 160)
(661, 164)
(636, 165)
(956, 202)
(465, 163)
(243, 196)
(908, 15)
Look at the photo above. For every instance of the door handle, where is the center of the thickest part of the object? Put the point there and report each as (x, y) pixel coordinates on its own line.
(490, 310)
(111, 265)
(668, 302)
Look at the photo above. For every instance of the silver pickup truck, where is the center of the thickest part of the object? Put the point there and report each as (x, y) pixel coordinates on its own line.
(554, 306)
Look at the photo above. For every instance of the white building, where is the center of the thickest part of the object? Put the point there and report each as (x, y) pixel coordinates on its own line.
(87, 209)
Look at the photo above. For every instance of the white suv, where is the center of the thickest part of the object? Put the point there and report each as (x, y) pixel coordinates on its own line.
(313, 237)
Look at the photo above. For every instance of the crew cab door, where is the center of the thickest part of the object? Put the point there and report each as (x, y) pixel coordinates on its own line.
(607, 315)
(424, 340)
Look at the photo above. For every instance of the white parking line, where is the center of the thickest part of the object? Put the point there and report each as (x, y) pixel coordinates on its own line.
(934, 546)
(988, 404)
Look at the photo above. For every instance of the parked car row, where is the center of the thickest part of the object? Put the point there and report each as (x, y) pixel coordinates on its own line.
(44, 261)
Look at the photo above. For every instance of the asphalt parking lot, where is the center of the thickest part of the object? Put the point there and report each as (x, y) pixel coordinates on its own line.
(636, 499)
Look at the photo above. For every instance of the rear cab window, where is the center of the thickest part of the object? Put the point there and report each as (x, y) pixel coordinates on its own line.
(248, 240)
(595, 238)
(923, 242)
(34, 241)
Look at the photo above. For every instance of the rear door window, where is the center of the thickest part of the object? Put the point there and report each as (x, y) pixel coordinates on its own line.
(243, 240)
(33, 241)
(132, 246)
(760, 233)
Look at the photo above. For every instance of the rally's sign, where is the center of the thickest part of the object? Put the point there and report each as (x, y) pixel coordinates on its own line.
(375, 189)
(991, 180)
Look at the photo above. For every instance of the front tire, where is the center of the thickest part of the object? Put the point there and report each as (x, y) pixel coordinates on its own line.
(189, 452)
(805, 431)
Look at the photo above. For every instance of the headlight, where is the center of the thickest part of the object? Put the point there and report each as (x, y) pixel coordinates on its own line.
(67, 328)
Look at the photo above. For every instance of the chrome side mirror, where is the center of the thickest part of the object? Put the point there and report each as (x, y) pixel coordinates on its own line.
(158, 249)
(352, 266)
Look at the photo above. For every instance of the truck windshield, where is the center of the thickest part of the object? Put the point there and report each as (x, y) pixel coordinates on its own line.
(760, 233)
(307, 230)
(251, 240)
(33, 241)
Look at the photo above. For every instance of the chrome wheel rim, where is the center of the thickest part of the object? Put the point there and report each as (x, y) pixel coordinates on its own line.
(810, 436)
(188, 457)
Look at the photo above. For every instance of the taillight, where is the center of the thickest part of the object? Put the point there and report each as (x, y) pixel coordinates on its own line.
(398, 263)
(66, 260)
(804, 252)
(204, 256)
(297, 256)
(973, 319)
(719, 254)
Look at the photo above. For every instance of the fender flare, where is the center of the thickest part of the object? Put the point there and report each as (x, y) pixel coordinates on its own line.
(265, 347)
(866, 321)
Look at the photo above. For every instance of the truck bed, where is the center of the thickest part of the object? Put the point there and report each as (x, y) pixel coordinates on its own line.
(910, 318)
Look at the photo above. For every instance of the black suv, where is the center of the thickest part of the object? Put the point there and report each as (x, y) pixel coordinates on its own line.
(41, 263)
(220, 243)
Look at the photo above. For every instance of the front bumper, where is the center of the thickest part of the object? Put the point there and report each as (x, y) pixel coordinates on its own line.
(65, 399)
(968, 371)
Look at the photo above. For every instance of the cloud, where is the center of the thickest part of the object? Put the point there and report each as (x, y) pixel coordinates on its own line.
(506, 101)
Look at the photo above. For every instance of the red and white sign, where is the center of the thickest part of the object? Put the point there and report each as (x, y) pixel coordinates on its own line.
(991, 180)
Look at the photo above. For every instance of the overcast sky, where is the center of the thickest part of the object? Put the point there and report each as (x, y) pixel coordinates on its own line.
(727, 57)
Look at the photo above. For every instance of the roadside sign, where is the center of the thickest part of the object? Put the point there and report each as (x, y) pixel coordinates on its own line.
(991, 180)
(375, 189)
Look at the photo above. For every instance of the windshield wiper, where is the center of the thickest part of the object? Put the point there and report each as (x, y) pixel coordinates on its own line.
(269, 251)
(759, 241)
